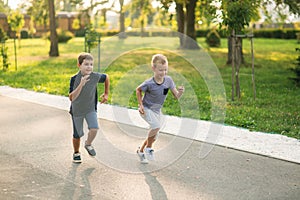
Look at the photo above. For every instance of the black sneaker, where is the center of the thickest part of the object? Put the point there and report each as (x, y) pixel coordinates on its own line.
(76, 158)
(90, 149)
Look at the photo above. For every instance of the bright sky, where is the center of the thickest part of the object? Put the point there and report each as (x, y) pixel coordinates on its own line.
(13, 3)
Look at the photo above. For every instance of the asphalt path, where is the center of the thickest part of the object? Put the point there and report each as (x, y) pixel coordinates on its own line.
(36, 163)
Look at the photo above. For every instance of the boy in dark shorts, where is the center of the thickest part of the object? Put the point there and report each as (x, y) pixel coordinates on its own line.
(84, 98)
(155, 91)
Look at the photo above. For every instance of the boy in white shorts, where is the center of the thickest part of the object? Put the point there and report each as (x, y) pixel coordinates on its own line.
(155, 90)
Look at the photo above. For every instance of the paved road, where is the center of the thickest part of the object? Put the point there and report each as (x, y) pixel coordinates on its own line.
(36, 163)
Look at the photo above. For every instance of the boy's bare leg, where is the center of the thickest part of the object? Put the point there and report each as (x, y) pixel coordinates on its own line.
(76, 144)
(91, 136)
(150, 140)
(144, 145)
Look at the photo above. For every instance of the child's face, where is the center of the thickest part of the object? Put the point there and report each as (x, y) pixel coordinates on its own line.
(86, 67)
(160, 71)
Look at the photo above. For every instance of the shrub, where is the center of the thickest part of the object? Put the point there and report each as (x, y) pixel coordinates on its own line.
(3, 35)
(79, 33)
(24, 34)
(297, 69)
(213, 39)
(3, 50)
(63, 36)
(275, 33)
(286, 33)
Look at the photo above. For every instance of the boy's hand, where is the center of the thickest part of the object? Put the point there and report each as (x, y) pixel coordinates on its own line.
(104, 98)
(181, 89)
(84, 79)
(141, 109)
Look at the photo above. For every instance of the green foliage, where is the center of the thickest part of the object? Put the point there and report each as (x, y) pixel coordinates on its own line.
(76, 24)
(275, 33)
(24, 34)
(213, 39)
(39, 12)
(258, 33)
(16, 22)
(296, 70)
(92, 38)
(4, 49)
(238, 14)
(3, 35)
(5, 62)
(63, 36)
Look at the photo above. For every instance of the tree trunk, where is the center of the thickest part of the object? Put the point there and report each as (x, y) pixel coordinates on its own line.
(190, 40)
(122, 34)
(180, 22)
(142, 28)
(53, 34)
(239, 54)
(238, 63)
(231, 42)
(252, 65)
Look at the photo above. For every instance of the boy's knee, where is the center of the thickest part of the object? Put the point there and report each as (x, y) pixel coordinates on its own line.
(76, 139)
(156, 130)
(93, 130)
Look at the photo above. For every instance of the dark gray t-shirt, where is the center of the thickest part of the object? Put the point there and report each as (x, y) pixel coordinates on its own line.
(156, 94)
(88, 98)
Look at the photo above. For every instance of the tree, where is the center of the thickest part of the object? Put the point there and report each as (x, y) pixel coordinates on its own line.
(185, 15)
(236, 16)
(53, 34)
(89, 11)
(39, 12)
(16, 23)
(141, 10)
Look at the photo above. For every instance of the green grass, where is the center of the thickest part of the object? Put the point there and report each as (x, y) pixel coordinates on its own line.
(275, 110)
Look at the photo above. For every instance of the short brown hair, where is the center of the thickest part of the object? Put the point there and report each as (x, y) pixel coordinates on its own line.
(82, 56)
(159, 59)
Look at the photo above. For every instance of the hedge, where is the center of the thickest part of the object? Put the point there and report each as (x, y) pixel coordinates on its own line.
(258, 33)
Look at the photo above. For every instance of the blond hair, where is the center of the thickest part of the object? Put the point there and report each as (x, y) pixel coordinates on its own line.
(82, 56)
(159, 59)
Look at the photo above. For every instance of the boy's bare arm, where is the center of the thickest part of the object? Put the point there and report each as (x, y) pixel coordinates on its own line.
(75, 93)
(139, 95)
(178, 93)
(104, 96)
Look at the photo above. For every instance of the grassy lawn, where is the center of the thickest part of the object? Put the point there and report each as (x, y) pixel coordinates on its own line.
(275, 110)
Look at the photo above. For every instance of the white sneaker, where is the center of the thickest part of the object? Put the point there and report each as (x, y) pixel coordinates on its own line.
(142, 157)
(149, 153)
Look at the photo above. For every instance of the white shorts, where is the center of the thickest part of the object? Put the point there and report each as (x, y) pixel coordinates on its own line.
(154, 119)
